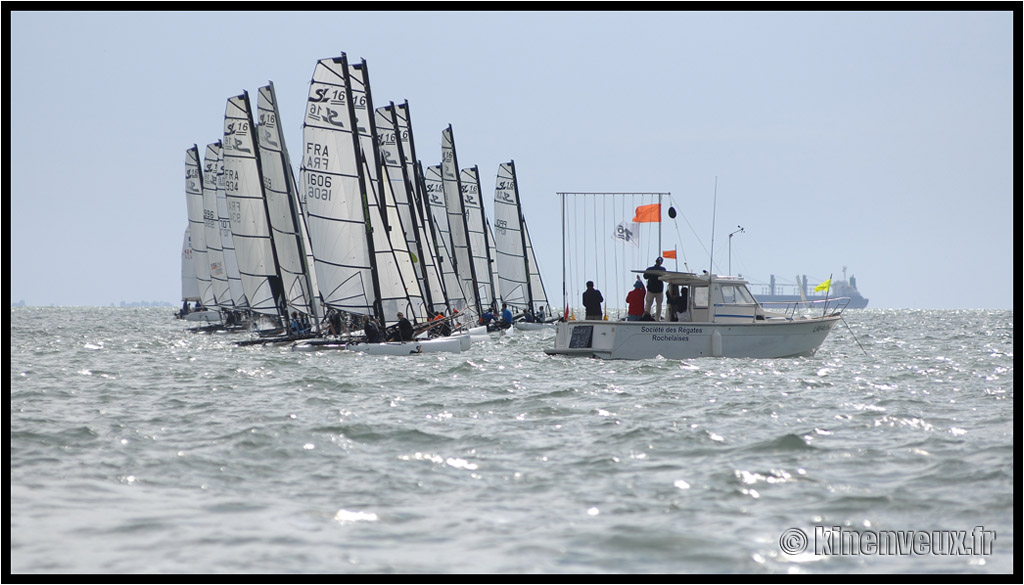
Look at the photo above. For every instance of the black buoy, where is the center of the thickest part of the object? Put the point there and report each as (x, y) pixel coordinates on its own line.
(672, 212)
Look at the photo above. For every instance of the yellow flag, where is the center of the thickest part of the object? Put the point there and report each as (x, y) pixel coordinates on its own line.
(823, 286)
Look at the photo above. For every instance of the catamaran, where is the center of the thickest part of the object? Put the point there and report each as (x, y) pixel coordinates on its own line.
(190, 286)
(518, 273)
(246, 199)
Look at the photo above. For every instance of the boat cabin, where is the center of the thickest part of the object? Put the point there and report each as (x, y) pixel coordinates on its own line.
(710, 298)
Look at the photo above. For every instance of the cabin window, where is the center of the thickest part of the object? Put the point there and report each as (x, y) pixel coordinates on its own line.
(736, 295)
(700, 297)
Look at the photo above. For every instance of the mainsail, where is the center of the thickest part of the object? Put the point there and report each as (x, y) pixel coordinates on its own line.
(399, 288)
(480, 239)
(247, 209)
(337, 206)
(458, 219)
(518, 274)
(214, 246)
(283, 208)
(395, 135)
(433, 187)
(236, 297)
(197, 225)
(189, 284)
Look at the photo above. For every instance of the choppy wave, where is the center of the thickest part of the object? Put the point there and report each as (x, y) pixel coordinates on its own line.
(137, 446)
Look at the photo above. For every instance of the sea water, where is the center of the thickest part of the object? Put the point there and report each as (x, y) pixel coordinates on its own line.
(139, 446)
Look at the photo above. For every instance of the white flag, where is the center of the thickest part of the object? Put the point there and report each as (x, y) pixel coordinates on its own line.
(626, 232)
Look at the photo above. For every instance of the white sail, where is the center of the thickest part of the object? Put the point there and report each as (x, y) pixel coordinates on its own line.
(433, 187)
(458, 226)
(539, 302)
(334, 192)
(194, 201)
(480, 240)
(395, 135)
(247, 210)
(189, 284)
(283, 209)
(399, 288)
(214, 247)
(236, 297)
(404, 287)
(518, 275)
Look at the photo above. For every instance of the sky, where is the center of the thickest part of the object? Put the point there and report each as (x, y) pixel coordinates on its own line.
(882, 142)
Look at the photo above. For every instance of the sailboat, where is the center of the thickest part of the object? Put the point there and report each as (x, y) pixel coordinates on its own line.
(433, 188)
(395, 135)
(219, 286)
(196, 240)
(247, 210)
(480, 238)
(357, 269)
(458, 223)
(189, 283)
(518, 273)
(291, 241)
(235, 304)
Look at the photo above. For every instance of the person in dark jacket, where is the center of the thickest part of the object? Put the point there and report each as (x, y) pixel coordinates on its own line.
(372, 331)
(655, 288)
(592, 300)
(405, 332)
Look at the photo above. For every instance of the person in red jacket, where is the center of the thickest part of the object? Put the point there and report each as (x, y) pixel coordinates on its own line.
(635, 301)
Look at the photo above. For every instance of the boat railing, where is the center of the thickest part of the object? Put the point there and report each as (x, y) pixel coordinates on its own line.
(806, 309)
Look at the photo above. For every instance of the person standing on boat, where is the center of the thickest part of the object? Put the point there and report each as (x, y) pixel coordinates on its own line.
(655, 288)
(592, 300)
(635, 301)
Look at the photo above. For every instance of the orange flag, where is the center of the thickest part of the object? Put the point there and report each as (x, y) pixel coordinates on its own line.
(648, 213)
(668, 254)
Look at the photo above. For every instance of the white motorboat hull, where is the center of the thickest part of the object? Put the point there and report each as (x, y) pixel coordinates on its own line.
(633, 340)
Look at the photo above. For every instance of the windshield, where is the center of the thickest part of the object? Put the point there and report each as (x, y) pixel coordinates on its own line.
(736, 295)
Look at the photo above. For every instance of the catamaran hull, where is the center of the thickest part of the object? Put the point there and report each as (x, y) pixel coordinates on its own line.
(203, 316)
(635, 340)
(524, 326)
(454, 344)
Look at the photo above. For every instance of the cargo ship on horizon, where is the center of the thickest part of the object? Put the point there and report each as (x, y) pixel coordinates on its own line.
(774, 292)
